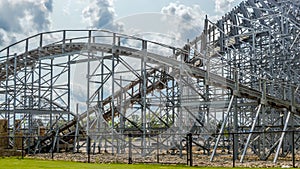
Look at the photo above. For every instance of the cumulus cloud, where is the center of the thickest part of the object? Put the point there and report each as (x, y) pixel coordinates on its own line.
(178, 21)
(23, 17)
(189, 20)
(223, 6)
(2, 36)
(101, 14)
(66, 8)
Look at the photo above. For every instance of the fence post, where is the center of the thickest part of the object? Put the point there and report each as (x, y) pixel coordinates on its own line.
(157, 149)
(189, 149)
(130, 149)
(89, 149)
(28, 144)
(293, 148)
(233, 151)
(52, 151)
(22, 147)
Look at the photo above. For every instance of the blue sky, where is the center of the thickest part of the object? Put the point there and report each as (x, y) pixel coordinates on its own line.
(22, 18)
(71, 10)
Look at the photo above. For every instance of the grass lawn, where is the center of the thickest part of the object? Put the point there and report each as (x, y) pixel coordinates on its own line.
(18, 163)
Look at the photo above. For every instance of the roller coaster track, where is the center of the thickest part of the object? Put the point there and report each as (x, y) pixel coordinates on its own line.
(214, 79)
(59, 50)
(251, 28)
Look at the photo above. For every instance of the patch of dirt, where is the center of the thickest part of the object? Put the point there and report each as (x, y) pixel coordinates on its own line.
(198, 160)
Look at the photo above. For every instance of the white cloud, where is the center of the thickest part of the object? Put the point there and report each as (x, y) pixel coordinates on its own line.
(223, 6)
(175, 20)
(100, 14)
(20, 18)
(178, 21)
(66, 8)
(189, 20)
(78, 92)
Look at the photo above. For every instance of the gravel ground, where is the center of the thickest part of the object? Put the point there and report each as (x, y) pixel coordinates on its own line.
(198, 160)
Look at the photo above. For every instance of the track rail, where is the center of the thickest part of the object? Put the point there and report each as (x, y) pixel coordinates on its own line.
(213, 79)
